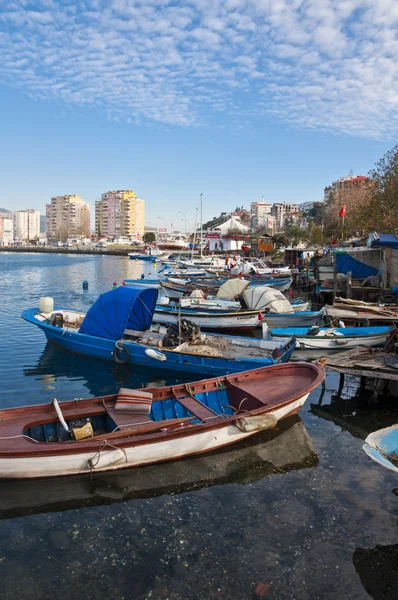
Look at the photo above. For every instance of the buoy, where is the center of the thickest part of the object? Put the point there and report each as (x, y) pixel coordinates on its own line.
(46, 304)
(152, 353)
(154, 266)
(256, 423)
(85, 285)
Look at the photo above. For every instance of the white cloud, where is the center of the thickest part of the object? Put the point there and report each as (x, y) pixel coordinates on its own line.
(318, 64)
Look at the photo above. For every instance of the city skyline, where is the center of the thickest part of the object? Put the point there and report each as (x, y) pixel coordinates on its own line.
(235, 99)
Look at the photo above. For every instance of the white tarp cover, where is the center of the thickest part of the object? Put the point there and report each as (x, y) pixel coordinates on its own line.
(232, 288)
(262, 297)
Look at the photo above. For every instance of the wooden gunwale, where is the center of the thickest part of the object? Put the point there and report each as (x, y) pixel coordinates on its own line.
(22, 447)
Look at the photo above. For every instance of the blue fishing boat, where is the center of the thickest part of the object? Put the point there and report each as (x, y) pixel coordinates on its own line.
(150, 255)
(117, 327)
(382, 446)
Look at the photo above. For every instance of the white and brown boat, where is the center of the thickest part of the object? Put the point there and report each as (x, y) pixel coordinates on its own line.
(139, 427)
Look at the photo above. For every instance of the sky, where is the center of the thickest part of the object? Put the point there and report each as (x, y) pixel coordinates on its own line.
(234, 99)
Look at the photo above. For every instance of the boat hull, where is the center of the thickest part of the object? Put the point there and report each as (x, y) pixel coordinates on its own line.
(156, 452)
(344, 341)
(234, 322)
(299, 319)
(382, 443)
(143, 257)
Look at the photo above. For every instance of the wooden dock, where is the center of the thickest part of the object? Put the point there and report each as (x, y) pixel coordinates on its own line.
(361, 362)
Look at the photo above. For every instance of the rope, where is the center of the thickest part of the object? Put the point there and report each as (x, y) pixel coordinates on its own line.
(105, 444)
(220, 383)
(22, 435)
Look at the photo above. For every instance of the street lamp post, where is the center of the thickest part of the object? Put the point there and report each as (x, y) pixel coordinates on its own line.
(185, 219)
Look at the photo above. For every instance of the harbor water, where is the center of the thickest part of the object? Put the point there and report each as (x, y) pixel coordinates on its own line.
(301, 509)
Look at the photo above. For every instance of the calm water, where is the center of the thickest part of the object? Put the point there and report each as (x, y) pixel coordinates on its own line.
(302, 510)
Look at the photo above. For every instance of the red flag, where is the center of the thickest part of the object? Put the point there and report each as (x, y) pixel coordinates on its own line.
(342, 211)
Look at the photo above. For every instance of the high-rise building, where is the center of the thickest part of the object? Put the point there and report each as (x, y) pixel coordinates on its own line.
(120, 213)
(6, 231)
(67, 216)
(26, 225)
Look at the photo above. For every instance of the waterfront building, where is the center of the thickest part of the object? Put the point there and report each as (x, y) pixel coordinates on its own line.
(120, 213)
(6, 231)
(67, 216)
(26, 225)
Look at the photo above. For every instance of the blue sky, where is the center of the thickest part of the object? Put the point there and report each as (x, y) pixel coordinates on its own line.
(235, 99)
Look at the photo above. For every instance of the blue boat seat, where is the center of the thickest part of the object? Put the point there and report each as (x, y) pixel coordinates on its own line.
(193, 405)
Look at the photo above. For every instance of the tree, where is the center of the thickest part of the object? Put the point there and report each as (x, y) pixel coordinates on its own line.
(380, 210)
(149, 237)
(314, 233)
(294, 234)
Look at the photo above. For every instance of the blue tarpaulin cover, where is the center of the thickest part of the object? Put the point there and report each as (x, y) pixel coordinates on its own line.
(383, 240)
(120, 309)
(346, 263)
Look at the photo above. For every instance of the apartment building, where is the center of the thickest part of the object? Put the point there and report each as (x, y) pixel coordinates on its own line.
(6, 231)
(67, 216)
(283, 210)
(26, 225)
(120, 213)
(346, 189)
(260, 215)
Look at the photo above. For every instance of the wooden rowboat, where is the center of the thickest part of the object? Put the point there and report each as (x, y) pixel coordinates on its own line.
(139, 427)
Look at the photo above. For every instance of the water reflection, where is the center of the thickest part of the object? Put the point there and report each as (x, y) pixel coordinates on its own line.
(378, 570)
(59, 371)
(288, 447)
(349, 407)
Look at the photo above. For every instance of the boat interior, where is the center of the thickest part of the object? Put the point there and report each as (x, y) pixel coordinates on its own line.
(171, 407)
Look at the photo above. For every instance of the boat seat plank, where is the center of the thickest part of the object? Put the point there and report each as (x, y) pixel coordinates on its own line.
(123, 419)
(249, 395)
(194, 406)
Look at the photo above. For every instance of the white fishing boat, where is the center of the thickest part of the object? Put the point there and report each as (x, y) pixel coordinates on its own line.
(209, 319)
(330, 338)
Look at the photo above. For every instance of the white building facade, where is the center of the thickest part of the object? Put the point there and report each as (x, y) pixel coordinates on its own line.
(6, 231)
(259, 214)
(26, 225)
